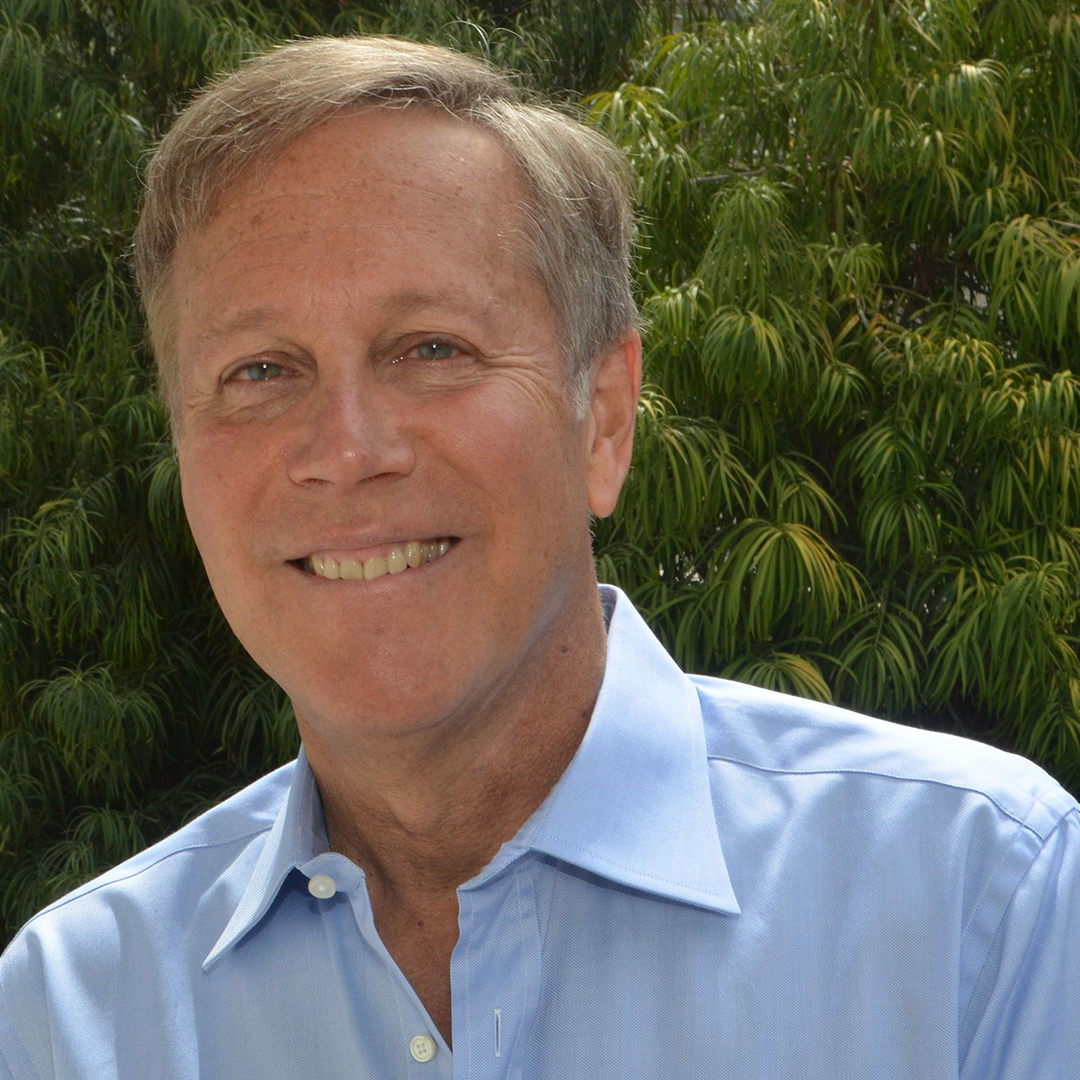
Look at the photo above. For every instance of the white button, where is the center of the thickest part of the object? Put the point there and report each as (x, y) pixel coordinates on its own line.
(423, 1048)
(322, 886)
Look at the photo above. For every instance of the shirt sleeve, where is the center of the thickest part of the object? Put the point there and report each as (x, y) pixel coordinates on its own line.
(1024, 1018)
(15, 1063)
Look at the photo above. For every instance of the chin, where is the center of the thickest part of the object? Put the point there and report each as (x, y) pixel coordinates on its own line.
(375, 698)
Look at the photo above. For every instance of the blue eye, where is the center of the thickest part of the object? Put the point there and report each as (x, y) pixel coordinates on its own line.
(260, 372)
(435, 350)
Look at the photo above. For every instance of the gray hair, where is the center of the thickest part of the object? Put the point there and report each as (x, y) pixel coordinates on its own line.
(578, 217)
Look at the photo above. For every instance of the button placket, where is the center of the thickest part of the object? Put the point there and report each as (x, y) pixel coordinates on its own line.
(496, 968)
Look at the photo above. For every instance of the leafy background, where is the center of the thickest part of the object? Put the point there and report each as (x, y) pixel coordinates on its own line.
(857, 475)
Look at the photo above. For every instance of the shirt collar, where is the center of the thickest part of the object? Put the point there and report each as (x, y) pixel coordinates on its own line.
(297, 836)
(633, 806)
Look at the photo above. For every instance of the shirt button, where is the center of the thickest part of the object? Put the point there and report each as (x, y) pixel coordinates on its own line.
(322, 886)
(423, 1048)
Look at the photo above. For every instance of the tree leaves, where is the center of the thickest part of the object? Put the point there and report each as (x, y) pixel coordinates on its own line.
(888, 285)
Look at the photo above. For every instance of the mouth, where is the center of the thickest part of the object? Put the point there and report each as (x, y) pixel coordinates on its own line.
(391, 559)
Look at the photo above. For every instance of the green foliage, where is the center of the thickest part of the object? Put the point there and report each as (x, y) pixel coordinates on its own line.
(862, 262)
(857, 472)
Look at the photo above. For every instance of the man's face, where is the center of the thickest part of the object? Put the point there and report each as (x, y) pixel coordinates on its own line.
(365, 364)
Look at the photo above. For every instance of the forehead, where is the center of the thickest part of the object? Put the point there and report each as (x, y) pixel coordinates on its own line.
(423, 162)
(413, 193)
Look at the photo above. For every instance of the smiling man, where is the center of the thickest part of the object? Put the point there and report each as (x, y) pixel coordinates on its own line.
(389, 482)
(391, 306)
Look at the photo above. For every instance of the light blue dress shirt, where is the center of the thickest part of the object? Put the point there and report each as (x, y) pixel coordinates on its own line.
(724, 883)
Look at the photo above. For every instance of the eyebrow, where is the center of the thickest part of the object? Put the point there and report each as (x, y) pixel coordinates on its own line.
(401, 303)
(409, 301)
(238, 322)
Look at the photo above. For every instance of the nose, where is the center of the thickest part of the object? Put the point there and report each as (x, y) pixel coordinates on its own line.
(345, 436)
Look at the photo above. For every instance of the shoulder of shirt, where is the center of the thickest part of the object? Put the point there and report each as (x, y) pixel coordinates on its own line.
(215, 835)
(789, 736)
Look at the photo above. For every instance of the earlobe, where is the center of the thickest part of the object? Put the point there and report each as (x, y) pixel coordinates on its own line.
(616, 383)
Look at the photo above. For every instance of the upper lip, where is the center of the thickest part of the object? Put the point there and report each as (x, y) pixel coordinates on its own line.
(361, 540)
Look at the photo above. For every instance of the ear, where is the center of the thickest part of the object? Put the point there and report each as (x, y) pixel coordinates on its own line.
(612, 413)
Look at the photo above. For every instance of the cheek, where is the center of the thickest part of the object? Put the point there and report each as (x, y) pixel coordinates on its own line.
(521, 470)
(514, 436)
(541, 500)
(212, 484)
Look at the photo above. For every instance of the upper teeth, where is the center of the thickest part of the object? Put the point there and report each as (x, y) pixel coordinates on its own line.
(414, 553)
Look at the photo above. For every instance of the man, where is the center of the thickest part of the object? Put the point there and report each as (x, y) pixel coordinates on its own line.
(391, 307)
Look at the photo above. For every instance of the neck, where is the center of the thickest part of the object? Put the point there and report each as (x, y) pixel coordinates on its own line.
(422, 812)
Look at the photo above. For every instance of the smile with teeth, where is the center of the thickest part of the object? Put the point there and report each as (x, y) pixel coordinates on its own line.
(396, 560)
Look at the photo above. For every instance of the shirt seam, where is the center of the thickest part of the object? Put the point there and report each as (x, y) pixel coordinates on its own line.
(528, 1002)
(92, 887)
(1045, 841)
(470, 1042)
(1038, 800)
(21, 1041)
(26, 1053)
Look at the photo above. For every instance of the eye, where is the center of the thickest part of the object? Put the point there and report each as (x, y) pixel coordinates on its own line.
(263, 371)
(432, 349)
(435, 350)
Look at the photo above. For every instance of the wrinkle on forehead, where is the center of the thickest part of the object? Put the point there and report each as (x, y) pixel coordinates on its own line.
(478, 142)
(461, 147)
(374, 209)
(406, 302)
(244, 211)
